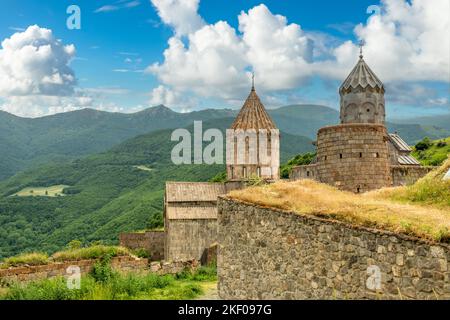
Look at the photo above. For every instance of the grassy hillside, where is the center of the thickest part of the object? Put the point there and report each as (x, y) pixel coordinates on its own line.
(109, 193)
(432, 153)
(66, 136)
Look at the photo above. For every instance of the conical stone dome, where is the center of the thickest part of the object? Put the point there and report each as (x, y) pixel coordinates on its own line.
(362, 96)
(361, 76)
(253, 115)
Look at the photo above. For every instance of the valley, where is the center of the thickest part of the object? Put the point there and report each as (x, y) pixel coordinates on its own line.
(104, 173)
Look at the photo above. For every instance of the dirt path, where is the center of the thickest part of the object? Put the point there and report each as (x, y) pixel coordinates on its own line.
(210, 289)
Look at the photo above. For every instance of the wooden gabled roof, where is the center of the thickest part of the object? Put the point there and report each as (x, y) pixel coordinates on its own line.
(253, 115)
(193, 191)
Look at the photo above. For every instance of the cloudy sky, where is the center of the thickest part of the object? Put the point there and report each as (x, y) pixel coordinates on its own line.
(197, 54)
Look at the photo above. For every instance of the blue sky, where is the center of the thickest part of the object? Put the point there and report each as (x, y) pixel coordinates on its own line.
(120, 40)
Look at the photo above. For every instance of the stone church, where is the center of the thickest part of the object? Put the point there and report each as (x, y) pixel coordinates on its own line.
(190, 212)
(359, 154)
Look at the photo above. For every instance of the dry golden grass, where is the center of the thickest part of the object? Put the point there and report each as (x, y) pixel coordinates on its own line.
(431, 190)
(312, 198)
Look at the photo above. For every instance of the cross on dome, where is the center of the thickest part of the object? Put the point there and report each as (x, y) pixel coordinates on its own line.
(361, 45)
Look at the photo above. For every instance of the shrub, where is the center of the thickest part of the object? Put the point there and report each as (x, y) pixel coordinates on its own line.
(102, 285)
(48, 289)
(254, 180)
(141, 253)
(71, 191)
(298, 160)
(424, 144)
(102, 270)
(220, 177)
(204, 273)
(74, 244)
(32, 259)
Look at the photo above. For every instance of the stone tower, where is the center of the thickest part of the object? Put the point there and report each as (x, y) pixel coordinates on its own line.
(253, 143)
(362, 96)
(354, 155)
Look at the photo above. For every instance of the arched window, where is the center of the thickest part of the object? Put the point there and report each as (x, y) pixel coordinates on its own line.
(235, 147)
(247, 150)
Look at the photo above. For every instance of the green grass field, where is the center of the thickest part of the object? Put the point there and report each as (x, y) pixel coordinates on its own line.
(104, 284)
(434, 153)
(52, 191)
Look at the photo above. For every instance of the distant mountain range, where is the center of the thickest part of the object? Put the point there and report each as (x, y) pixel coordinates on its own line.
(27, 143)
(110, 192)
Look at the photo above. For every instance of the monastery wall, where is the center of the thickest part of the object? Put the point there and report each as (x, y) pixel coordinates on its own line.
(190, 238)
(271, 254)
(151, 241)
(406, 175)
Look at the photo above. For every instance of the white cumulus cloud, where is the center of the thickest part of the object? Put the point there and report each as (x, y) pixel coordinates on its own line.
(35, 74)
(162, 95)
(405, 42)
(409, 41)
(182, 15)
(212, 66)
(35, 62)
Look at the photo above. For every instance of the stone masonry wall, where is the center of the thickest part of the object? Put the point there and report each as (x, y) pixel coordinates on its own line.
(123, 264)
(353, 157)
(188, 239)
(405, 175)
(271, 254)
(151, 241)
(29, 273)
(304, 172)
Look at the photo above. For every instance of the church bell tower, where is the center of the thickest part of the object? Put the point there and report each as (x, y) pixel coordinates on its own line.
(253, 143)
(362, 96)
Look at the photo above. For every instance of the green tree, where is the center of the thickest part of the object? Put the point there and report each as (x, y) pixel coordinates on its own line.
(424, 144)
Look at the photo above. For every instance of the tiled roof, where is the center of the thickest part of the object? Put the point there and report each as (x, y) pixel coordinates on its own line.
(362, 76)
(399, 143)
(407, 160)
(175, 212)
(193, 191)
(253, 115)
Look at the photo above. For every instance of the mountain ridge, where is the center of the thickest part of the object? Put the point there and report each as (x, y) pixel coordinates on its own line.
(109, 192)
(30, 142)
